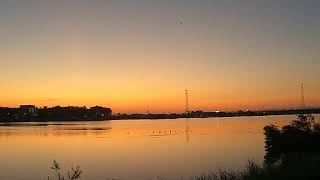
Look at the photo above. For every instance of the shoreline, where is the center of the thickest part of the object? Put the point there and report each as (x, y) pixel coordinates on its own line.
(193, 115)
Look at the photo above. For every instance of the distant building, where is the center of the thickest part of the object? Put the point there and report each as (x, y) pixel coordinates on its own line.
(27, 112)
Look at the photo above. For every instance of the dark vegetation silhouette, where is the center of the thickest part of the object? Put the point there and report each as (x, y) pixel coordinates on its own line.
(302, 134)
(76, 113)
(73, 174)
(294, 147)
(56, 113)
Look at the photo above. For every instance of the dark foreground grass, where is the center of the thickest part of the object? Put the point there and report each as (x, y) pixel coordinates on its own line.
(296, 170)
(295, 166)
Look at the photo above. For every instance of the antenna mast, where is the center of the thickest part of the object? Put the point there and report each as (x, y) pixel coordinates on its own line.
(302, 97)
(187, 103)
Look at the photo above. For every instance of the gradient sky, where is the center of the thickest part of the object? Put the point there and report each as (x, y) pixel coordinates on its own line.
(140, 55)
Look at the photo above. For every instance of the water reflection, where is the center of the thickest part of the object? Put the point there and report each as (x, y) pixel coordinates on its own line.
(187, 130)
(88, 129)
(117, 148)
(52, 129)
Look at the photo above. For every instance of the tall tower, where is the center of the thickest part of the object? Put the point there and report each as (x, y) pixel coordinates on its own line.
(186, 108)
(302, 97)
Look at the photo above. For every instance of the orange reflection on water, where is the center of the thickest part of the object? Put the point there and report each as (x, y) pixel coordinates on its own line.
(133, 149)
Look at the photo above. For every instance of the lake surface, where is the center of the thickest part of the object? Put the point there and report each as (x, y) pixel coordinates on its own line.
(132, 149)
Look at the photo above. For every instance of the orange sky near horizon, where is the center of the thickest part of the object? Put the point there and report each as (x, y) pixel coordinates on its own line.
(155, 100)
(139, 56)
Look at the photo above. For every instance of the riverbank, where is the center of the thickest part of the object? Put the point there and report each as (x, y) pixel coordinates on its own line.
(137, 116)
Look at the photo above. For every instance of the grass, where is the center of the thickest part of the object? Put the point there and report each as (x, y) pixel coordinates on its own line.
(297, 170)
(294, 166)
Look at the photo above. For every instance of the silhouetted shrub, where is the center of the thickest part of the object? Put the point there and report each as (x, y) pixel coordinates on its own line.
(294, 148)
(72, 174)
(303, 134)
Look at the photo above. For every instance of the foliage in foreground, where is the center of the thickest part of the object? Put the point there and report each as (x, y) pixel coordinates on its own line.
(72, 174)
(294, 166)
(252, 170)
(302, 134)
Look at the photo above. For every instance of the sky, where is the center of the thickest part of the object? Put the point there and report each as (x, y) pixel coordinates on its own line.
(141, 55)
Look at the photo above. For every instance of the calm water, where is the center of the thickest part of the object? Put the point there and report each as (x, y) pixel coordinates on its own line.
(132, 149)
